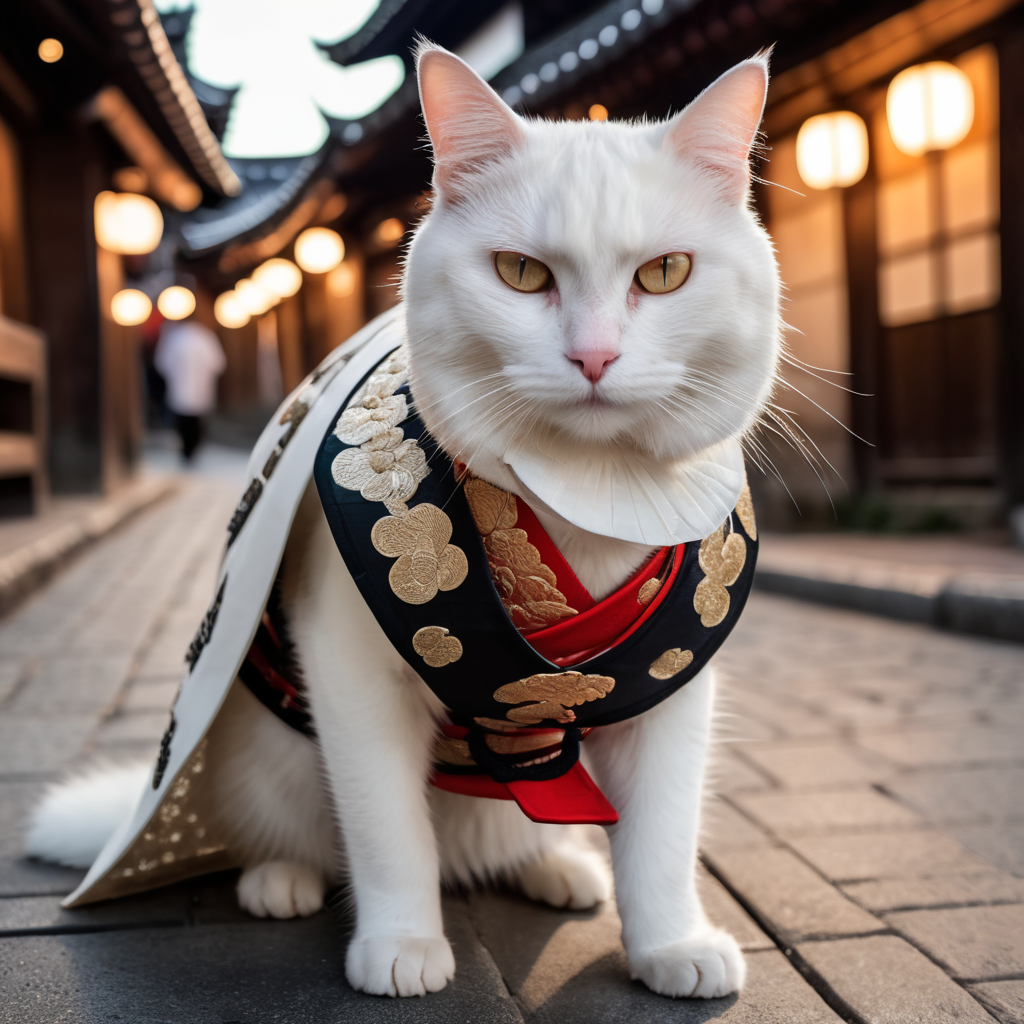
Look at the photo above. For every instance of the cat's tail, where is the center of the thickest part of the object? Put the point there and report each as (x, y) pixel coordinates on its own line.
(76, 817)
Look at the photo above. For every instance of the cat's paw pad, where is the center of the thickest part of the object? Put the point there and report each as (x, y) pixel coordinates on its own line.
(705, 966)
(281, 888)
(399, 965)
(567, 876)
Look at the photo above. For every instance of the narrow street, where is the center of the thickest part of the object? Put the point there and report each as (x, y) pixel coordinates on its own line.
(869, 815)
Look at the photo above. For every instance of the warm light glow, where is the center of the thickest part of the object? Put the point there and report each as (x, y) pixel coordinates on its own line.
(130, 179)
(127, 223)
(229, 312)
(598, 112)
(51, 50)
(389, 231)
(929, 107)
(278, 276)
(130, 307)
(254, 298)
(318, 250)
(342, 280)
(176, 302)
(832, 150)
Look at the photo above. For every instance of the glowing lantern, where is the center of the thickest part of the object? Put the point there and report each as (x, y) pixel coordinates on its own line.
(255, 299)
(929, 107)
(389, 231)
(130, 307)
(598, 112)
(127, 223)
(278, 276)
(318, 250)
(341, 281)
(51, 50)
(176, 302)
(832, 150)
(228, 311)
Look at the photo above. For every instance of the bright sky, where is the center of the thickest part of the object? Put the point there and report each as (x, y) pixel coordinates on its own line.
(266, 46)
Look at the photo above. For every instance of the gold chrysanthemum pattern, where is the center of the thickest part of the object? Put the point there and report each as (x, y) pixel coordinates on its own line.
(745, 511)
(554, 695)
(385, 467)
(426, 562)
(436, 646)
(670, 664)
(524, 583)
(722, 558)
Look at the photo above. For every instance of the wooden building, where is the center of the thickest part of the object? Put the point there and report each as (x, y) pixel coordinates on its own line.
(91, 99)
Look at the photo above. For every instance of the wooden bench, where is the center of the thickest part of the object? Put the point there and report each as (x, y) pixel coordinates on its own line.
(23, 418)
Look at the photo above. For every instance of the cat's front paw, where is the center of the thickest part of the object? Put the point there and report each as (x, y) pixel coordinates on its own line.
(705, 966)
(399, 965)
(281, 888)
(567, 876)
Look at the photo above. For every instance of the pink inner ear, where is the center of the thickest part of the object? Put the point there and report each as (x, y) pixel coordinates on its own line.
(468, 122)
(718, 128)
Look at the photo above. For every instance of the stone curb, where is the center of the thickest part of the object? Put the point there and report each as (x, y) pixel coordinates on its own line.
(978, 605)
(27, 569)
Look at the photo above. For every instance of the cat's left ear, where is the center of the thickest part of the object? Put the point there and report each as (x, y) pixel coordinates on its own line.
(470, 125)
(718, 128)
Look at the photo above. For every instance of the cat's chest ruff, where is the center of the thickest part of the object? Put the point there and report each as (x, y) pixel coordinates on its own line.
(468, 588)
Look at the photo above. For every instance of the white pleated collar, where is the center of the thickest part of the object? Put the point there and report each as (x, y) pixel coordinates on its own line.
(627, 496)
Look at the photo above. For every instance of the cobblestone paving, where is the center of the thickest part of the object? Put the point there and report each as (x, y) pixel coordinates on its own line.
(869, 818)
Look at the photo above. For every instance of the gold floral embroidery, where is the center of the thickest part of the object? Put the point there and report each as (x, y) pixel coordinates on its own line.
(436, 646)
(670, 664)
(386, 468)
(456, 751)
(426, 562)
(722, 559)
(745, 510)
(524, 583)
(649, 591)
(556, 692)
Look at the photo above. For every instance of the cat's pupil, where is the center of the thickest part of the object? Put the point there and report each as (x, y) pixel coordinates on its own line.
(522, 268)
(664, 271)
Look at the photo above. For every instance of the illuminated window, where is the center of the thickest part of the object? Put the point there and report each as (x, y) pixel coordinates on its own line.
(938, 216)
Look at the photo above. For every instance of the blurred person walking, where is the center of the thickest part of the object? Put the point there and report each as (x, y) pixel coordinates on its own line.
(190, 359)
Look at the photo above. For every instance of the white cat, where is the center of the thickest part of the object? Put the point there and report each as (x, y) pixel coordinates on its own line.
(607, 381)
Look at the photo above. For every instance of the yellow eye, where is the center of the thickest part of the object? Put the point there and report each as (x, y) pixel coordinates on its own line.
(523, 273)
(664, 274)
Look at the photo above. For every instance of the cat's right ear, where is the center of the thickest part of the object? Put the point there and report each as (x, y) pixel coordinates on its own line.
(469, 124)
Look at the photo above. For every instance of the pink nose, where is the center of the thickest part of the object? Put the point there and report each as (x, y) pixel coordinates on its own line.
(593, 362)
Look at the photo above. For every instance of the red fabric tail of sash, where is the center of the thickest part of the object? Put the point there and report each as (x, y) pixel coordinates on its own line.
(572, 799)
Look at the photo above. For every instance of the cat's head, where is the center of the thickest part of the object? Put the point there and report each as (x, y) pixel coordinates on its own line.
(605, 284)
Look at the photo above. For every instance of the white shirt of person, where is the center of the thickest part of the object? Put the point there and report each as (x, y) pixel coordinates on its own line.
(189, 358)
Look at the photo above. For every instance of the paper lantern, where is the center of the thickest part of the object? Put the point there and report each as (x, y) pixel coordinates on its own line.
(318, 250)
(130, 307)
(228, 311)
(254, 298)
(278, 276)
(832, 150)
(127, 223)
(176, 302)
(929, 107)
(342, 280)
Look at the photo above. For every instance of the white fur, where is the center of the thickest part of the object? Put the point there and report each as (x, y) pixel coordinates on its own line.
(74, 820)
(490, 365)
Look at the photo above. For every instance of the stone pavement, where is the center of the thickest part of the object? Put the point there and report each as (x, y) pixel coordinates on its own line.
(869, 818)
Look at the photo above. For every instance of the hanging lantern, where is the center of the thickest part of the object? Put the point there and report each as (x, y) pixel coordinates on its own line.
(342, 280)
(130, 307)
(229, 311)
(929, 107)
(318, 250)
(255, 299)
(832, 150)
(128, 224)
(278, 276)
(176, 302)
